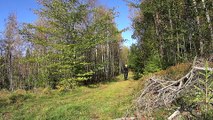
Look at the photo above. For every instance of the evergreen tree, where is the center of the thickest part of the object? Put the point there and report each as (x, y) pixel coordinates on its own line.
(174, 30)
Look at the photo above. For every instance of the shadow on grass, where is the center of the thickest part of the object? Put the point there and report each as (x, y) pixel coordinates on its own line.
(113, 80)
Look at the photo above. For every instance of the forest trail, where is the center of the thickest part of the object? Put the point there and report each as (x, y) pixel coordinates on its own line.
(104, 101)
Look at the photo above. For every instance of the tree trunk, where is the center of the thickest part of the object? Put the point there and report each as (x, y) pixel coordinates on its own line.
(10, 75)
(208, 21)
(178, 47)
(172, 37)
(158, 35)
(198, 25)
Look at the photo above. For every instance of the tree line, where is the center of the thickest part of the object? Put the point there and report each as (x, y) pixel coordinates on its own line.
(73, 42)
(170, 32)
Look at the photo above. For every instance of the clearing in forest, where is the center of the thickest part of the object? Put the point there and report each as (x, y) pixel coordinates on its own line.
(103, 101)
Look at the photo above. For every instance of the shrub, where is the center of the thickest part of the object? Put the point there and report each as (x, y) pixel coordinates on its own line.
(153, 64)
(4, 100)
(204, 93)
(136, 75)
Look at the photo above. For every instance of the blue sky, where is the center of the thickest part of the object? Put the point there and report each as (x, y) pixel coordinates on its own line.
(24, 11)
(122, 20)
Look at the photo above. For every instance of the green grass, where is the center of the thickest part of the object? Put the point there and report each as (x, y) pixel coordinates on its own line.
(103, 102)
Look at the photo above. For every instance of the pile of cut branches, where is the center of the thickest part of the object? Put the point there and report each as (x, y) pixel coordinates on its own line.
(161, 91)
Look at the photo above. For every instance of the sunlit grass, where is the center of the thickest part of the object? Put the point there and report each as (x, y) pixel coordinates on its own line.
(106, 101)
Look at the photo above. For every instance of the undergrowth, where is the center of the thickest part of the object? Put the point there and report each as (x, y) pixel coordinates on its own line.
(175, 72)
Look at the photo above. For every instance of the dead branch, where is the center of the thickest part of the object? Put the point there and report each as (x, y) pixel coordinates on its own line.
(203, 68)
(175, 114)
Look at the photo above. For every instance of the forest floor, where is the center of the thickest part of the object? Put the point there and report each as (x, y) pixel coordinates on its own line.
(103, 101)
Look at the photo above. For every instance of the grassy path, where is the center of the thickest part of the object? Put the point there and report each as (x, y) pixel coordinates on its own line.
(104, 102)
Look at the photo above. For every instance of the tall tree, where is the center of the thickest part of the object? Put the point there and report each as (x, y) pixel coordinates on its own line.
(176, 30)
(11, 39)
(80, 42)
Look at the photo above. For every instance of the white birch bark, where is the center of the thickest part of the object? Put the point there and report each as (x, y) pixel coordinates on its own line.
(198, 24)
(208, 20)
